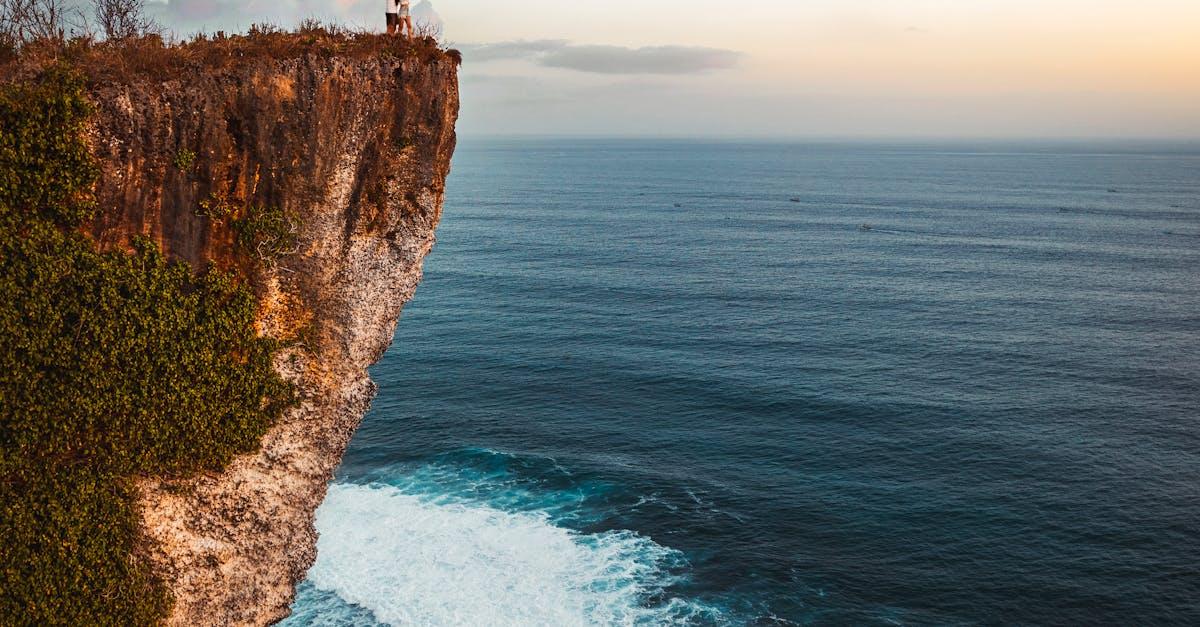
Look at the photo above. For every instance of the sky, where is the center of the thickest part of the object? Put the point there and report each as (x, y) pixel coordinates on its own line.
(797, 68)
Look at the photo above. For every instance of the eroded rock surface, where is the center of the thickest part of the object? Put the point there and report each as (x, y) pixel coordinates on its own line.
(359, 150)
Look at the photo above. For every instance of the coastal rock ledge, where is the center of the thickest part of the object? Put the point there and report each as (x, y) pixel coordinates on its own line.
(357, 148)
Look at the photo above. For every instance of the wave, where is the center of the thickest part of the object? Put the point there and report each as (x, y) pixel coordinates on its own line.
(408, 554)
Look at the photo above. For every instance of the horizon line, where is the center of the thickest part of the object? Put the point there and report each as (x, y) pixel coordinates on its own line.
(1069, 139)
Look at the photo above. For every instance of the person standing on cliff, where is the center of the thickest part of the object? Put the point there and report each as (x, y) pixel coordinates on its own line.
(405, 19)
(399, 17)
(392, 11)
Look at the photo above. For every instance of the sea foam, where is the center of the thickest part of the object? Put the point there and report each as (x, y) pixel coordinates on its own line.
(412, 560)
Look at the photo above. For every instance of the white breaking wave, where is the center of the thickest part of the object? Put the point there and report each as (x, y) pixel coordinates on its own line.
(412, 561)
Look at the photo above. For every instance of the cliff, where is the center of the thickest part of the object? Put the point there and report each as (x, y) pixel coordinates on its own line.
(356, 149)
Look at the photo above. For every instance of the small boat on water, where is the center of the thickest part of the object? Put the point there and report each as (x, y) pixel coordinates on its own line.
(865, 227)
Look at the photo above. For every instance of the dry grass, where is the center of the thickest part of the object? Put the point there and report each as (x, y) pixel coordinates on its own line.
(151, 57)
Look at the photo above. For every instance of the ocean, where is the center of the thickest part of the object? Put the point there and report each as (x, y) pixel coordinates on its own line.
(716, 383)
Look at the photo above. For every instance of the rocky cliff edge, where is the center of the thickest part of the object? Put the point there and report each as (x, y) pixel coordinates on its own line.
(356, 147)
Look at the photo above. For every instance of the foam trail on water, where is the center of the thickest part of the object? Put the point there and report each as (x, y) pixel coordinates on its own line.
(411, 560)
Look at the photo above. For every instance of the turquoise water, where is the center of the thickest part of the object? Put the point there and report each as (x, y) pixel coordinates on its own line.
(652, 382)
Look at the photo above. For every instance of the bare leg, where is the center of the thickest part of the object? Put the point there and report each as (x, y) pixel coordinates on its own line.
(391, 27)
(408, 22)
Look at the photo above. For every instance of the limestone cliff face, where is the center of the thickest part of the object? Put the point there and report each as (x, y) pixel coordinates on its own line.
(357, 148)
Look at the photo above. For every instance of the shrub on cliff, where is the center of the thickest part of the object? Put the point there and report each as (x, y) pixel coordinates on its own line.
(113, 366)
(123, 19)
(151, 54)
(263, 233)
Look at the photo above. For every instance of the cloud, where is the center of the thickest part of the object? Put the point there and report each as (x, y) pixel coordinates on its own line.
(650, 60)
(606, 59)
(425, 15)
(510, 49)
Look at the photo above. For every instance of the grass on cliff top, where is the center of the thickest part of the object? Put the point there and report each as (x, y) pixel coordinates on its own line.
(113, 366)
(156, 58)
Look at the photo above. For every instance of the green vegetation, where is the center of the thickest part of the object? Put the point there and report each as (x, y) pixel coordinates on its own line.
(113, 366)
(44, 166)
(265, 233)
(184, 160)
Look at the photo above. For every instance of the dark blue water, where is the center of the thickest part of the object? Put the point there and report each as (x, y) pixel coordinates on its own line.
(674, 382)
